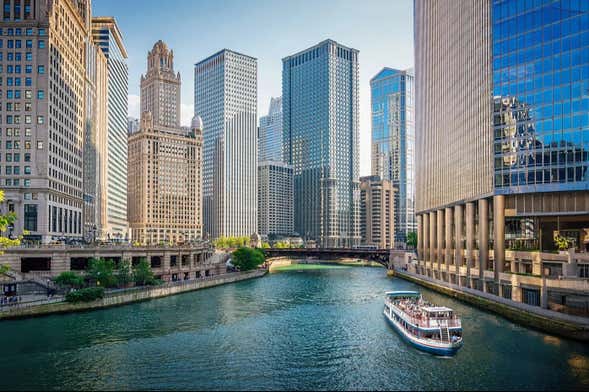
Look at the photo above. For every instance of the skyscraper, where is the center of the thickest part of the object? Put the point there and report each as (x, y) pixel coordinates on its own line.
(320, 141)
(393, 142)
(225, 96)
(270, 133)
(275, 199)
(503, 139)
(377, 223)
(108, 38)
(160, 87)
(165, 160)
(43, 116)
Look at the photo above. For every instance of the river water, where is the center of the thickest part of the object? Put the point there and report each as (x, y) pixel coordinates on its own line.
(313, 329)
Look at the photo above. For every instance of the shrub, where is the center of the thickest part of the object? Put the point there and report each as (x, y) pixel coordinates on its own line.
(85, 295)
(102, 271)
(69, 279)
(143, 275)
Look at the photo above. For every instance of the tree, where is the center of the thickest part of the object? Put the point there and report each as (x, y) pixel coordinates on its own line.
(247, 258)
(142, 274)
(69, 280)
(102, 271)
(124, 276)
(412, 239)
(562, 243)
(5, 242)
(265, 245)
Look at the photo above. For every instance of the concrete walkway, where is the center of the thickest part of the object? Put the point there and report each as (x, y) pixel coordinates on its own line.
(528, 308)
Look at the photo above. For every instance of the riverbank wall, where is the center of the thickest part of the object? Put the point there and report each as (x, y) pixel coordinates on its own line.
(544, 320)
(128, 296)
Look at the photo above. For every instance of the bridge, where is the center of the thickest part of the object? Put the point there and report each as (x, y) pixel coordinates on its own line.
(385, 257)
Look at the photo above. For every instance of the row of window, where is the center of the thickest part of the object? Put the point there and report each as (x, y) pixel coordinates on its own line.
(16, 119)
(15, 170)
(17, 69)
(16, 56)
(17, 44)
(18, 31)
(9, 157)
(17, 82)
(15, 144)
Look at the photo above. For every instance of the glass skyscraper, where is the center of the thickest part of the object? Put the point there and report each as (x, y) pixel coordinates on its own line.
(225, 97)
(270, 133)
(393, 143)
(502, 136)
(320, 136)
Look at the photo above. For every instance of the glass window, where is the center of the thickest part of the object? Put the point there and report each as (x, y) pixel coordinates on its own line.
(41, 44)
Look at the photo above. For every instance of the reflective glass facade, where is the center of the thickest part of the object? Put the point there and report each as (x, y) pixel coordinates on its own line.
(320, 136)
(393, 142)
(541, 89)
(270, 133)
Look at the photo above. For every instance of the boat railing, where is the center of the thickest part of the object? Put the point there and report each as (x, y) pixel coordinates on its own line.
(427, 322)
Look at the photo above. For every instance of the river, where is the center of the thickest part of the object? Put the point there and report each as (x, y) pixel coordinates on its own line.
(312, 329)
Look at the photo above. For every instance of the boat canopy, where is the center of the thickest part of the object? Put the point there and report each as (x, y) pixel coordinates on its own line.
(402, 294)
(436, 309)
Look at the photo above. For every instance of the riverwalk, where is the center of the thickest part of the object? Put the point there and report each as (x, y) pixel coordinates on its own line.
(561, 324)
(124, 296)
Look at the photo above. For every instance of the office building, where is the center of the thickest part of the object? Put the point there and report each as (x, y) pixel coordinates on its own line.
(225, 96)
(275, 199)
(164, 169)
(377, 223)
(502, 139)
(320, 141)
(270, 133)
(113, 223)
(393, 142)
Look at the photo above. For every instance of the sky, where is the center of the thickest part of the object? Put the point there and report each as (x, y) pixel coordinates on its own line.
(382, 30)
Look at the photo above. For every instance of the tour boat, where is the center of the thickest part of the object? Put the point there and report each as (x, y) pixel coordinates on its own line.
(434, 329)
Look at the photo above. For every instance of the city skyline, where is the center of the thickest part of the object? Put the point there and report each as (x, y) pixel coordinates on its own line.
(328, 20)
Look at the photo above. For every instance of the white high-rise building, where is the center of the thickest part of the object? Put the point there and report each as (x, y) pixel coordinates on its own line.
(225, 96)
(275, 199)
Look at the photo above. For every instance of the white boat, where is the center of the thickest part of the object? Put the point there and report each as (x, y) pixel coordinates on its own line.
(434, 329)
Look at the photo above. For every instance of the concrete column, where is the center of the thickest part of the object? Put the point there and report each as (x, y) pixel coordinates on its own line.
(419, 239)
(458, 239)
(498, 234)
(469, 237)
(426, 237)
(432, 237)
(448, 231)
(483, 235)
(440, 238)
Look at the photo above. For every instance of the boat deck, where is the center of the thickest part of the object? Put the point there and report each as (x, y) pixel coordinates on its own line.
(415, 311)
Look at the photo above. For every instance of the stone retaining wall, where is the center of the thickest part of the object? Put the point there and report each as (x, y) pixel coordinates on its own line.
(130, 296)
(535, 320)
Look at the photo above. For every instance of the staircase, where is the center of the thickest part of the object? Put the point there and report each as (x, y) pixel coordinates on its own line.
(445, 334)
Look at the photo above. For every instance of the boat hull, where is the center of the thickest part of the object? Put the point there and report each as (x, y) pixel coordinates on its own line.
(446, 350)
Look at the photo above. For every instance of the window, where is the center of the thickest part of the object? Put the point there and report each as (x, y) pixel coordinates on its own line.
(41, 69)
(27, 170)
(27, 144)
(8, 170)
(29, 56)
(39, 144)
(28, 94)
(16, 170)
(40, 120)
(29, 31)
(29, 44)
(17, 43)
(16, 157)
(41, 94)
(9, 145)
(27, 131)
(42, 32)
(27, 156)
(28, 81)
(28, 68)
(41, 44)
(30, 221)
(27, 118)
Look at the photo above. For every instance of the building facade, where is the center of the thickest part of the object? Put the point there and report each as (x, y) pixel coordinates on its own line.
(320, 141)
(377, 223)
(275, 199)
(113, 223)
(160, 87)
(393, 143)
(164, 168)
(502, 138)
(225, 96)
(132, 125)
(270, 133)
(42, 117)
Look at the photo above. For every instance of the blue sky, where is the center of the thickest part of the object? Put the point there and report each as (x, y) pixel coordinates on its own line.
(382, 30)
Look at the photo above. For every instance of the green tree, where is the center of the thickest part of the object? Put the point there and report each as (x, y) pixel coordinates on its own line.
(69, 280)
(124, 275)
(265, 245)
(412, 239)
(87, 294)
(5, 242)
(102, 271)
(247, 258)
(142, 274)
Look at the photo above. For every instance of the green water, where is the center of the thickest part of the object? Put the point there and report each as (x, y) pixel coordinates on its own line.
(315, 329)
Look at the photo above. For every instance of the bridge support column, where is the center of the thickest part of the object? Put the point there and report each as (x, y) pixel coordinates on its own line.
(432, 238)
(498, 235)
(440, 238)
(419, 239)
(483, 236)
(448, 243)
